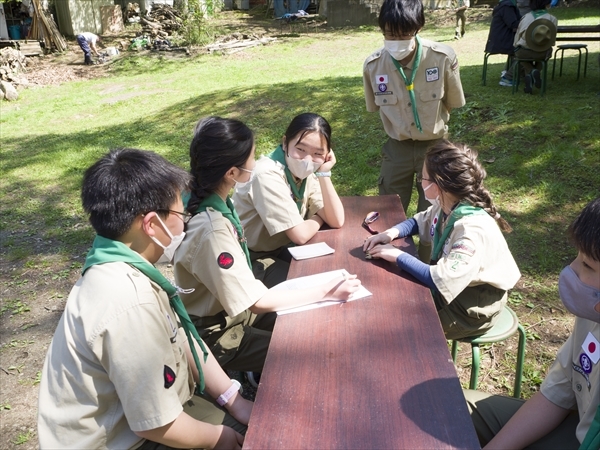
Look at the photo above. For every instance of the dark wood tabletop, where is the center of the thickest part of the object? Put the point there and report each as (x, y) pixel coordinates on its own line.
(586, 32)
(374, 373)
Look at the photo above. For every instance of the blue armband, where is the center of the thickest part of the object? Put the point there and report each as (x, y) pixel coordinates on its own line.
(407, 228)
(416, 268)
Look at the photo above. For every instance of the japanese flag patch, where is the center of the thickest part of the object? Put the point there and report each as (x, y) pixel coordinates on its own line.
(591, 347)
(381, 79)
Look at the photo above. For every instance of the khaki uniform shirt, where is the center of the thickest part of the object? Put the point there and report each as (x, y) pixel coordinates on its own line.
(104, 374)
(211, 261)
(474, 253)
(527, 20)
(574, 379)
(267, 209)
(437, 89)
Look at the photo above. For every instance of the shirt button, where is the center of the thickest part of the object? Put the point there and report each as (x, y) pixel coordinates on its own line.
(409, 104)
(135, 274)
(412, 124)
(384, 101)
(578, 387)
(433, 95)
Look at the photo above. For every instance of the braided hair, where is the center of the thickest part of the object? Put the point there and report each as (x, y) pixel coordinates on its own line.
(454, 168)
(218, 145)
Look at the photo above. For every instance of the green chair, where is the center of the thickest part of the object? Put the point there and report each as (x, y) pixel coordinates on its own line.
(485, 64)
(516, 70)
(505, 327)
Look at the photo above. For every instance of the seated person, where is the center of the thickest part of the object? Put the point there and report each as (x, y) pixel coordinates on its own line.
(471, 266)
(290, 197)
(560, 414)
(505, 21)
(120, 371)
(232, 310)
(531, 70)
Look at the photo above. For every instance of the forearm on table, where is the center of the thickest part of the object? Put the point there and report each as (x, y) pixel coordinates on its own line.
(407, 228)
(273, 300)
(534, 420)
(333, 211)
(416, 268)
(185, 432)
(303, 232)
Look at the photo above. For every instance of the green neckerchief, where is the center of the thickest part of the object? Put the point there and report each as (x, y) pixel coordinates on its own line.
(227, 209)
(462, 210)
(538, 13)
(410, 87)
(279, 156)
(106, 251)
(591, 441)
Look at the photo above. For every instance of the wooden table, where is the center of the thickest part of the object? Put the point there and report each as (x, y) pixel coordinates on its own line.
(591, 32)
(373, 373)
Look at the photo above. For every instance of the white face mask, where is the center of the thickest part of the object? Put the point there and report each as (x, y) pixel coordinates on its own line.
(242, 184)
(169, 250)
(579, 298)
(399, 49)
(434, 201)
(301, 168)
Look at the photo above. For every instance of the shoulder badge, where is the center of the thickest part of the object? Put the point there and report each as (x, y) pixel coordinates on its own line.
(225, 260)
(169, 377)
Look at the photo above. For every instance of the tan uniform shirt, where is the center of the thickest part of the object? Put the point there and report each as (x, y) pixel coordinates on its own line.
(437, 89)
(474, 253)
(104, 374)
(527, 20)
(211, 261)
(574, 379)
(266, 207)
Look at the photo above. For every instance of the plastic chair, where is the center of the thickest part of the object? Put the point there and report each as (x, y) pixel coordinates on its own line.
(517, 71)
(505, 327)
(562, 49)
(485, 62)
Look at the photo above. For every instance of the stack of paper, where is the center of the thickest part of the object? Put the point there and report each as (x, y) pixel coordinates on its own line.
(310, 250)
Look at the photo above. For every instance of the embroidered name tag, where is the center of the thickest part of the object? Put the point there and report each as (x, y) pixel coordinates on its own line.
(432, 74)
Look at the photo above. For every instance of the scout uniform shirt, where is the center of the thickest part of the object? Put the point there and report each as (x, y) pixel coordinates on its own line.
(527, 20)
(437, 89)
(116, 363)
(474, 253)
(211, 261)
(574, 379)
(266, 206)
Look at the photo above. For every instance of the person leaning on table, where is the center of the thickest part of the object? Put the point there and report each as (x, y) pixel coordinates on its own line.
(566, 411)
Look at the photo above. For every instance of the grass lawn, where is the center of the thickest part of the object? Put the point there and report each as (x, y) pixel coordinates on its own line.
(542, 155)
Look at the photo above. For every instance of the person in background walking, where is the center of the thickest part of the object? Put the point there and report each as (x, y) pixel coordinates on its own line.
(461, 18)
(87, 42)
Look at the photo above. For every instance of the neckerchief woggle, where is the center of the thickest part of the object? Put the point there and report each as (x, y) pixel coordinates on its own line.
(227, 209)
(410, 87)
(462, 210)
(279, 155)
(107, 250)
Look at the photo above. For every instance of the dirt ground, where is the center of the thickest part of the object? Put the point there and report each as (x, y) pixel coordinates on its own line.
(26, 329)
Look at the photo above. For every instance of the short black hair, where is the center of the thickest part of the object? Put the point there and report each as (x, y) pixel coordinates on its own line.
(585, 230)
(127, 182)
(401, 17)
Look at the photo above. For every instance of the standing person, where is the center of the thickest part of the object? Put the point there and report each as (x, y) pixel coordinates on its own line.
(414, 83)
(461, 18)
(471, 266)
(122, 366)
(505, 21)
(87, 42)
(559, 415)
(233, 311)
(538, 48)
(290, 197)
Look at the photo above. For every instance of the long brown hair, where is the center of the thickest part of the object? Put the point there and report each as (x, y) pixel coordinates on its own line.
(454, 168)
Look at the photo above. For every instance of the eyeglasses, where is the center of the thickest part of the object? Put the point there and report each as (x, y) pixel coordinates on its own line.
(420, 179)
(185, 217)
(368, 220)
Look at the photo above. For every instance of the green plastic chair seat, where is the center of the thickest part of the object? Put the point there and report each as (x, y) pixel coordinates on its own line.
(506, 325)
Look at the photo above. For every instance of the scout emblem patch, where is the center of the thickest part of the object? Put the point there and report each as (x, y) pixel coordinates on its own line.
(169, 376)
(591, 347)
(432, 74)
(382, 87)
(225, 260)
(586, 363)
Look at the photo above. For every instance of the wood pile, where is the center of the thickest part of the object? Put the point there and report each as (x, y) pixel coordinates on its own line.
(161, 21)
(238, 42)
(12, 63)
(43, 28)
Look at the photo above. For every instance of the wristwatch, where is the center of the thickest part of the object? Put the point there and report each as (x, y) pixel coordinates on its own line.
(323, 174)
(225, 396)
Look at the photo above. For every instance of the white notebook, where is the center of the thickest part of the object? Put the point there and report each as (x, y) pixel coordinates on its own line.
(310, 250)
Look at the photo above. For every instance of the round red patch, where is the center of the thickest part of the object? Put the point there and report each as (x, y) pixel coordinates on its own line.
(225, 260)
(592, 347)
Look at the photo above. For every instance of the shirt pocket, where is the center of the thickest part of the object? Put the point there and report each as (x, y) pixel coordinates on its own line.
(431, 109)
(386, 100)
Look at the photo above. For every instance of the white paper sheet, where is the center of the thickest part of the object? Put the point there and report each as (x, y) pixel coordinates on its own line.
(310, 250)
(315, 280)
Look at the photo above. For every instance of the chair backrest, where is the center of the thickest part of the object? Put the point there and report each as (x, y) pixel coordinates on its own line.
(540, 35)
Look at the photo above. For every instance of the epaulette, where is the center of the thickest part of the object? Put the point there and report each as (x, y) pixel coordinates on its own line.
(373, 56)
